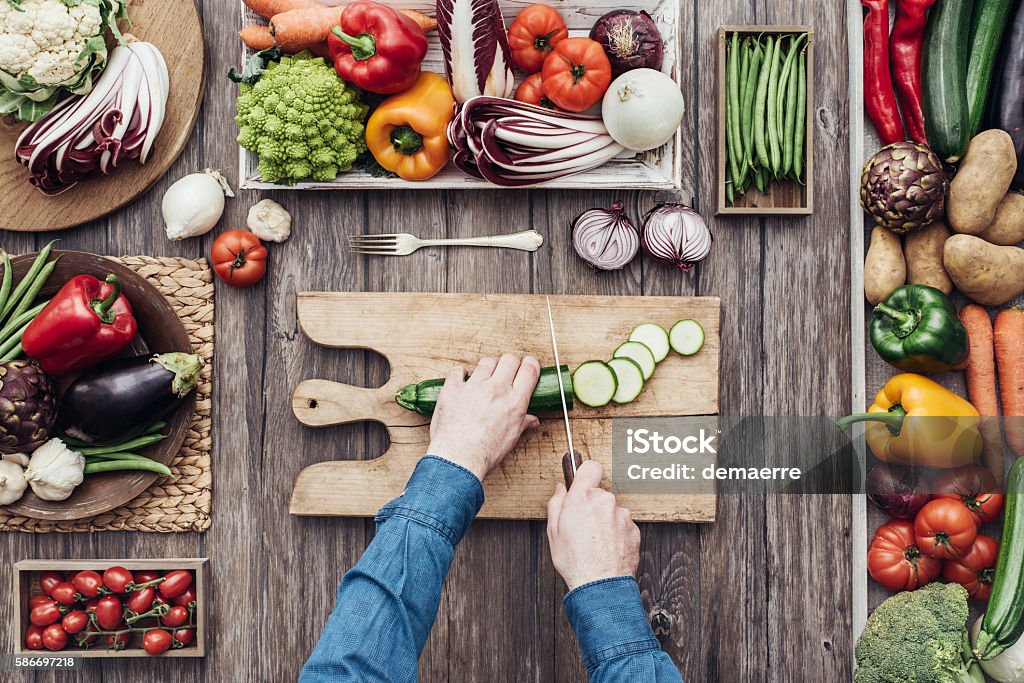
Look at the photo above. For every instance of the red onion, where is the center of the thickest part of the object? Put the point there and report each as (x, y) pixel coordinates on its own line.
(676, 234)
(898, 491)
(630, 39)
(606, 238)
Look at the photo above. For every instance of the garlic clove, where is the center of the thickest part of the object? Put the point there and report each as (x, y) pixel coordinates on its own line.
(269, 221)
(12, 482)
(17, 458)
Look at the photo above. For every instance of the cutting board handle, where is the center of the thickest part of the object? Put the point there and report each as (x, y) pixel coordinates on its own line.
(323, 403)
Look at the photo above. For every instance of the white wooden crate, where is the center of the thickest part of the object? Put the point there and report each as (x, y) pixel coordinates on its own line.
(658, 169)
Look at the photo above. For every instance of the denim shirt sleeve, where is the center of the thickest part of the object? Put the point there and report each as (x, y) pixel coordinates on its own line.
(618, 644)
(387, 603)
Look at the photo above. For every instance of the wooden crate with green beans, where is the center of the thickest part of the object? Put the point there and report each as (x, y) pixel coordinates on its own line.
(765, 132)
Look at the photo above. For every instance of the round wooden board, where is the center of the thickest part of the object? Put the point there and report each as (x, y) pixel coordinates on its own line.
(160, 330)
(176, 28)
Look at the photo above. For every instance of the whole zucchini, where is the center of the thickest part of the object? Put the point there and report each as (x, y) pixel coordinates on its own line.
(987, 26)
(421, 398)
(944, 78)
(1006, 103)
(1004, 616)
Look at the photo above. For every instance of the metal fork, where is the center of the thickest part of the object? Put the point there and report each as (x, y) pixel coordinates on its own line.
(403, 244)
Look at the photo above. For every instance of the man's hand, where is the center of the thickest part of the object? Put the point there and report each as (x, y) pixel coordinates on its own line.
(591, 537)
(478, 421)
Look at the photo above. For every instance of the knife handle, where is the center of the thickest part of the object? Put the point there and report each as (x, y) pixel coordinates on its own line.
(568, 471)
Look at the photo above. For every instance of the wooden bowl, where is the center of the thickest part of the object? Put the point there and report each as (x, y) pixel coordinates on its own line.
(160, 331)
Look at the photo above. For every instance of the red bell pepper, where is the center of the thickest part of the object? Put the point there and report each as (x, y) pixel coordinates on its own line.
(87, 322)
(879, 96)
(906, 44)
(377, 48)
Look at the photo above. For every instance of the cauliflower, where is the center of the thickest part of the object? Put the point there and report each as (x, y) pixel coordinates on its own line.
(302, 120)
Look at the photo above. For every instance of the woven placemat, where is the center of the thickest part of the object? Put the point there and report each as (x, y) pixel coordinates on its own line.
(181, 503)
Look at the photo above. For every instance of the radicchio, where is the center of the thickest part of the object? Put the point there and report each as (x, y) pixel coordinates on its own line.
(477, 57)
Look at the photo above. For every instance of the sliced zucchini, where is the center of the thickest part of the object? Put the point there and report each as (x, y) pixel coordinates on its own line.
(654, 337)
(639, 352)
(594, 384)
(686, 337)
(630, 378)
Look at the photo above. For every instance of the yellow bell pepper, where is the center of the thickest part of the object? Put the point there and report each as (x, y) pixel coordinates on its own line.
(915, 421)
(408, 132)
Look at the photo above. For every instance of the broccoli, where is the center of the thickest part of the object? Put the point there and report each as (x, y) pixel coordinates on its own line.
(302, 120)
(918, 637)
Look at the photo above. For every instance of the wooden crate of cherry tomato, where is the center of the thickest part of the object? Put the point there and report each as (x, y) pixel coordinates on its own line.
(164, 600)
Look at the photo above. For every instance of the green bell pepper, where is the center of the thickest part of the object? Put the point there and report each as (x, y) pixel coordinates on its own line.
(917, 329)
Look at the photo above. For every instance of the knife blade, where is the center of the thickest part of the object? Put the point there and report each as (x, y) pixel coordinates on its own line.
(571, 460)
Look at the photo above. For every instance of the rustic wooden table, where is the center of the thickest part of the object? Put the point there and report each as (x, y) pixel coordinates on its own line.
(763, 594)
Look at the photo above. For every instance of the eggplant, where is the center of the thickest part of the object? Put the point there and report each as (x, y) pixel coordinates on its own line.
(1006, 109)
(120, 399)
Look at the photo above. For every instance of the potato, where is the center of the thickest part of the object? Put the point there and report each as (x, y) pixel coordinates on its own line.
(884, 267)
(923, 252)
(982, 181)
(1008, 226)
(988, 274)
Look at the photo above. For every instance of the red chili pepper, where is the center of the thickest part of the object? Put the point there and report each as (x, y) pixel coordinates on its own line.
(879, 96)
(906, 45)
(86, 323)
(377, 48)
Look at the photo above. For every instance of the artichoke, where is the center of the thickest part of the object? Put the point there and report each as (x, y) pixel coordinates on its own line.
(28, 406)
(903, 187)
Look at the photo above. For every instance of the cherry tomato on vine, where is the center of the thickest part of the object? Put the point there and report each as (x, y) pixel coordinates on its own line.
(239, 258)
(186, 598)
(88, 583)
(118, 641)
(48, 580)
(108, 612)
(178, 616)
(944, 529)
(184, 636)
(38, 599)
(976, 570)
(92, 604)
(974, 487)
(157, 641)
(64, 593)
(896, 562)
(34, 637)
(45, 614)
(175, 583)
(142, 600)
(117, 579)
(145, 576)
(55, 637)
(75, 621)
(86, 639)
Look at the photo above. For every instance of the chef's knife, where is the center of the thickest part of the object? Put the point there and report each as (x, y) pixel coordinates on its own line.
(571, 460)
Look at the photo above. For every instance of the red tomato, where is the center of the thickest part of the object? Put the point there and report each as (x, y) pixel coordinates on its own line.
(145, 576)
(975, 487)
(142, 600)
(178, 616)
(34, 638)
(92, 605)
(185, 636)
(157, 641)
(64, 593)
(38, 599)
(109, 612)
(117, 642)
(533, 34)
(531, 92)
(54, 637)
(175, 583)
(239, 258)
(976, 569)
(117, 579)
(895, 561)
(75, 621)
(186, 598)
(944, 528)
(576, 74)
(88, 583)
(48, 580)
(45, 614)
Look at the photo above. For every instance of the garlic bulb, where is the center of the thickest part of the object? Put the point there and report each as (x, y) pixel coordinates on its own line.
(55, 470)
(12, 482)
(194, 204)
(269, 221)
(17, 458)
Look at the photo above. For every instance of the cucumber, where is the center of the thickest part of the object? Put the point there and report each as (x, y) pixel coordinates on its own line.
(944, 78)
(990, 18)
(1004, 615)
(630, 379)
(594, 384)
(686, 337)
(640, 354)
(422, 398)
(654, 337)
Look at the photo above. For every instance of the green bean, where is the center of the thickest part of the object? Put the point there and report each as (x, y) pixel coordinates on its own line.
(761, 104)
(140, 442)
(744, 66)
(33, 291)
(5, 288)
(15, 323)
(127, 465)
(12, 354)
(730, 195)
(12, 341)
(747, 106)
(115, 456)
(27, 281)
(732, 107)
(774, 153)
(73, 443)
(156, 427)
(780, 97)
(788, 99)
(800, 132)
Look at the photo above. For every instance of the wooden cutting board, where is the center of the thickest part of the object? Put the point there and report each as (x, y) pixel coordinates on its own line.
(424, 335)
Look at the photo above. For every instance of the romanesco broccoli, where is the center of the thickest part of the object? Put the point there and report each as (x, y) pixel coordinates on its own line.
(302, 120)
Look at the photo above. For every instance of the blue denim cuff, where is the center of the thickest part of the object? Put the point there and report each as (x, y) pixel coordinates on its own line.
(609, 621)
(440, 495)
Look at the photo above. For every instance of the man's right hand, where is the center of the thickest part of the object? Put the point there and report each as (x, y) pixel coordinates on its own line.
(591, 537)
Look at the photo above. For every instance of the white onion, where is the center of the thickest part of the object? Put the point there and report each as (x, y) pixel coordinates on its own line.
(606, 238)
(677, 235)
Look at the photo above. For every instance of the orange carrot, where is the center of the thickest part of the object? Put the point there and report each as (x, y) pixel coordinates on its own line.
(1009, 344)
(981, 385)
(426, 23)
(257, 37)
(269, 8)
(299, 28)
